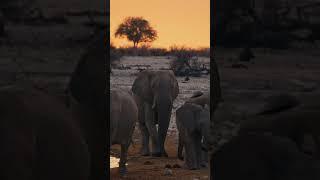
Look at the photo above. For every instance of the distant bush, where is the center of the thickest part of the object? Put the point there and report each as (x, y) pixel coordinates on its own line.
(184, 60)
(143, 51)
(115, 54)
(203, 52)
(146, 50)
(159, 52)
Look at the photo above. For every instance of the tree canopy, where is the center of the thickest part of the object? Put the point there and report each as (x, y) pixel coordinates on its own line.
(137, 30)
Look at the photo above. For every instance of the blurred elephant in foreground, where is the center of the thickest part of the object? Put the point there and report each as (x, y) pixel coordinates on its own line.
(155, 92)
(193, 123)
(293, 118)
(39, 138)
(262, 157)
(123, 117)
(87, 92)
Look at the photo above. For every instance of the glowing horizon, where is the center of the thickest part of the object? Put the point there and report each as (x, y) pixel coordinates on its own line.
(177, 22)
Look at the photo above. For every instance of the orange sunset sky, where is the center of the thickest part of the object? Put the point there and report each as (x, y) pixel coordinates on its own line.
(178, 22)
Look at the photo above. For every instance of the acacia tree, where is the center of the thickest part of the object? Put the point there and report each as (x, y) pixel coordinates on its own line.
(137, 30)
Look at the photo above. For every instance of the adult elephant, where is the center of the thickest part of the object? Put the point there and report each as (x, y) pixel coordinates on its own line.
(123, 117)
(155, 92)
(39, 138)
(88, 100)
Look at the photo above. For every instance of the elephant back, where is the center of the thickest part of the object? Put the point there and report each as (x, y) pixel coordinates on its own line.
(148, 82)
(141, 86)
(200, 98)
(87, 84)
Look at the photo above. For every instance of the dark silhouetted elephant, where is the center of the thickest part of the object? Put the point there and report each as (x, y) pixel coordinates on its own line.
(262, 157)
(87, 91)
(289, 116)
(155, 92)
(39, 138)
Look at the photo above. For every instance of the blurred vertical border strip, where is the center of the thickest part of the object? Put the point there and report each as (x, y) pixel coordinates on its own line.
(107, 65)
(215, 88)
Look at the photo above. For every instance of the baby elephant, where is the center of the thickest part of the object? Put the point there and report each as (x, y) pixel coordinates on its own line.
(123, 116)
(193, 123)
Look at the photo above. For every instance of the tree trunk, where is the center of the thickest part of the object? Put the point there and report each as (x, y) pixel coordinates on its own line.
(135, 50)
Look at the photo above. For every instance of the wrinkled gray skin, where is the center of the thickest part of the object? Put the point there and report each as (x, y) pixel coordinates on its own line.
(123, 116)
(259, 157)
(200, 98)
(39, 138)
(155, 92)
(193, 123)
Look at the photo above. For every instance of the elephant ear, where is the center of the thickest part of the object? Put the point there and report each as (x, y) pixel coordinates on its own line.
(175, 85)
(141, 86)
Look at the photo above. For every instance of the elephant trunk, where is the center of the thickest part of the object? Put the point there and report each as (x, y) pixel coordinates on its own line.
(163, 105)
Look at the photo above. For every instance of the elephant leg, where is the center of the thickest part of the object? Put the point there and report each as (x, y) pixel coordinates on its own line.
(190, 157)
(204, 152)
(144, 133)
(180, 147)
(204, 159)
(149, 121)
(123, 159)
(199, 152)
(145, 139)
(162, 133)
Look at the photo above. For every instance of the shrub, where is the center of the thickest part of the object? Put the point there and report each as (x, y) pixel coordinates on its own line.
(115, 55)
(185, 60)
